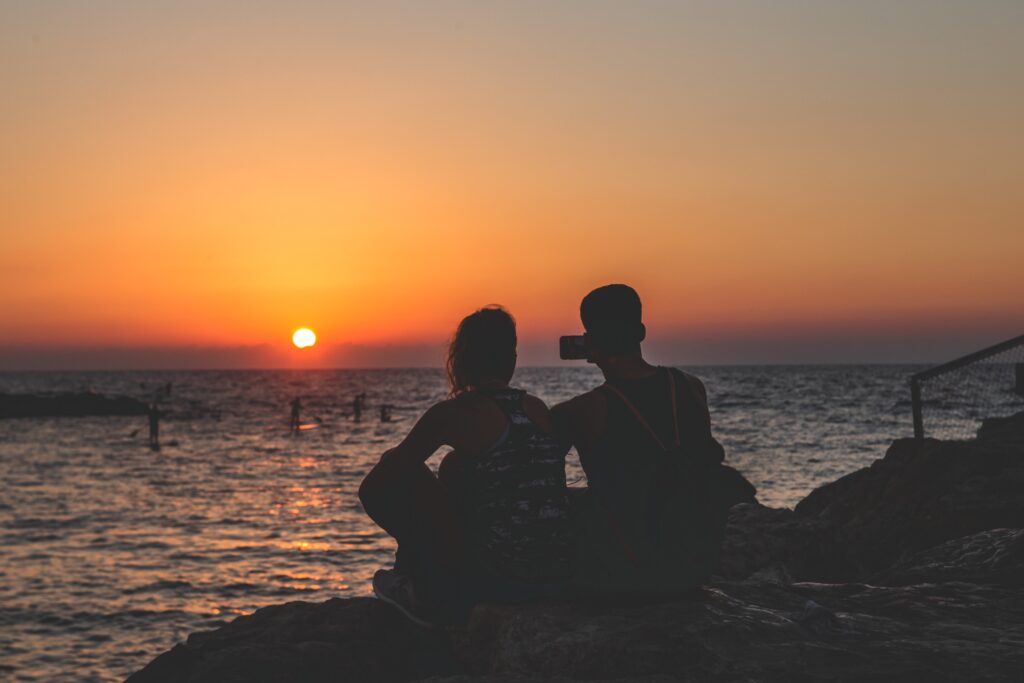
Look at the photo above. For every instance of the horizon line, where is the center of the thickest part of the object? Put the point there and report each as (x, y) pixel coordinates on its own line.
(441, 368)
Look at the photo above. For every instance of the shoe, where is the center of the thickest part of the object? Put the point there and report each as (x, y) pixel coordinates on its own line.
(396, 589)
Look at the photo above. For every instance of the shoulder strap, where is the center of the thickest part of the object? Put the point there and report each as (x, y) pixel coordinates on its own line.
(510, 402)
(675, 408)
(643, 421)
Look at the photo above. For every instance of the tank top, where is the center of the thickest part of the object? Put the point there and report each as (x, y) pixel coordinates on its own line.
(622, 451)
(654, 525)
(518, 510)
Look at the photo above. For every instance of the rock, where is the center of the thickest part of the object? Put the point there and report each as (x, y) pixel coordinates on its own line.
(68, 405)
(995, 556)
(731, 631)
(1003, 430)
(919, 495)
(359, 639)
(511, 678)
(740, 632)
(759, 539)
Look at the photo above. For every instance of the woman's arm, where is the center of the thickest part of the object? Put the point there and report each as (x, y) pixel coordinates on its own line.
(395, 470)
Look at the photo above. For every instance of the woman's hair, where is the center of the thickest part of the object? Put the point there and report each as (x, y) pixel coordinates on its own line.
(483, 349)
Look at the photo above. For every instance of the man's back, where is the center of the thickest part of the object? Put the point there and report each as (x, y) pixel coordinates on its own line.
(600, 424)
(645, 443)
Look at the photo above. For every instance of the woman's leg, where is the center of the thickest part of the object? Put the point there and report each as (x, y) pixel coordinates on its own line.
(421, 516)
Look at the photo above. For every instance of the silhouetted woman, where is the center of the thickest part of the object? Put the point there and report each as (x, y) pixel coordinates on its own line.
(493, 525)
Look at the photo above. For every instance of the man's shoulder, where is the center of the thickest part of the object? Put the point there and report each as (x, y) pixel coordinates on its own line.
(583, 405)
(692, 383)
(582, 418)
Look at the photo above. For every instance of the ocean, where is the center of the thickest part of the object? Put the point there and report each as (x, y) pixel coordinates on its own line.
(111, 552)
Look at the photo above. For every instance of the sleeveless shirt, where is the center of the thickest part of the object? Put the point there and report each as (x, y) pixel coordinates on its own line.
(516, 504)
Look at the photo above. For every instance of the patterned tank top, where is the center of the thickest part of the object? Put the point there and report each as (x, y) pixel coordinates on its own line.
(518, 505)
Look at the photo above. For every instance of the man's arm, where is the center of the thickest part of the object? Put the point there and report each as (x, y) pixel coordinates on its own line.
(561, 416)
(710, 448)
(582, 420)
(701, 393)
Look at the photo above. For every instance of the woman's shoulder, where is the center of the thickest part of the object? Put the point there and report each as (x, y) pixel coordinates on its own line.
(452, 408)
(457, 419)
(538, 412)
(457, 404)
(465, 405)
(472, 401)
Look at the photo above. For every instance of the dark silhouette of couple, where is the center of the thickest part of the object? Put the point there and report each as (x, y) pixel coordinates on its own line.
(498, 524)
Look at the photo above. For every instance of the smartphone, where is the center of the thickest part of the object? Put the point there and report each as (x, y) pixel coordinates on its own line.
(572, 347)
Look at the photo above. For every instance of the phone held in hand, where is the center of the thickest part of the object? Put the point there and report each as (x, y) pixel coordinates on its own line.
(572, 347)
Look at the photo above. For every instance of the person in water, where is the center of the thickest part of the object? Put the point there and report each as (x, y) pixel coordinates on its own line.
(153, 413)
(493, 525)
(358, 403)
(296, 408)
(654, 512)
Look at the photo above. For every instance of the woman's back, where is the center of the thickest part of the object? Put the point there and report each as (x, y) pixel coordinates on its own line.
(493, 525)
(512, 494)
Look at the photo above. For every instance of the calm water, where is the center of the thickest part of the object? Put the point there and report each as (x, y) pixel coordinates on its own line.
(112, 553)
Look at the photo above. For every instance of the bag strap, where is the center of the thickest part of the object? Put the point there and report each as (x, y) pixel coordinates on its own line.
(620, 536)
(643, 421)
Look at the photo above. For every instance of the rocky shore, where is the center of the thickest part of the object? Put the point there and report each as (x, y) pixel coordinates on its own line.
(910, 569)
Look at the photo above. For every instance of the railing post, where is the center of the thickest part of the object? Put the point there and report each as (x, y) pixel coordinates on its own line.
(915, 401)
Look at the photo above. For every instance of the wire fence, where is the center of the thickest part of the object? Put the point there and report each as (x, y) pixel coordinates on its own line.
(951, 400)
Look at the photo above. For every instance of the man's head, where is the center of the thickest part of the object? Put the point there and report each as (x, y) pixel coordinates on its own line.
(611, 316)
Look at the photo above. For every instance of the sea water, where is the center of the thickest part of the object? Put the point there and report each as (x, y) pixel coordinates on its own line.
(111, 552)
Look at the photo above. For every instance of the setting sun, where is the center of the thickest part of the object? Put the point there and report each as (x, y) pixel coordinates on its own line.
(303, 338)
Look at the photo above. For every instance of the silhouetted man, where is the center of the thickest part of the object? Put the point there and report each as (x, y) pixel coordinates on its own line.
(296, 408)
(655, 509)
(154, 426)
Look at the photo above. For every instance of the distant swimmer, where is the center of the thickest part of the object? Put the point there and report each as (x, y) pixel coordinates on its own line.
(154, 426)
(385, 412)
(358, 403)
(296, 407)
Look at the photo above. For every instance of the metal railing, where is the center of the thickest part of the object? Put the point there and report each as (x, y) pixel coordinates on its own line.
(1008, 355)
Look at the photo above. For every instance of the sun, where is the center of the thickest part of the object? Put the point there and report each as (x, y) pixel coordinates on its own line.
(303, 338)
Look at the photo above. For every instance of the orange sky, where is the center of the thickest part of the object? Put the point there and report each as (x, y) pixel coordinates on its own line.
(177, 176)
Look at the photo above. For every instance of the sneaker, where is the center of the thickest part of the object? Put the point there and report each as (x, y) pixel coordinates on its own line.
(396, 589)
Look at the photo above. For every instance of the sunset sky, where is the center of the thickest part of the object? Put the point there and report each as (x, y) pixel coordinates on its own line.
(183, 184)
